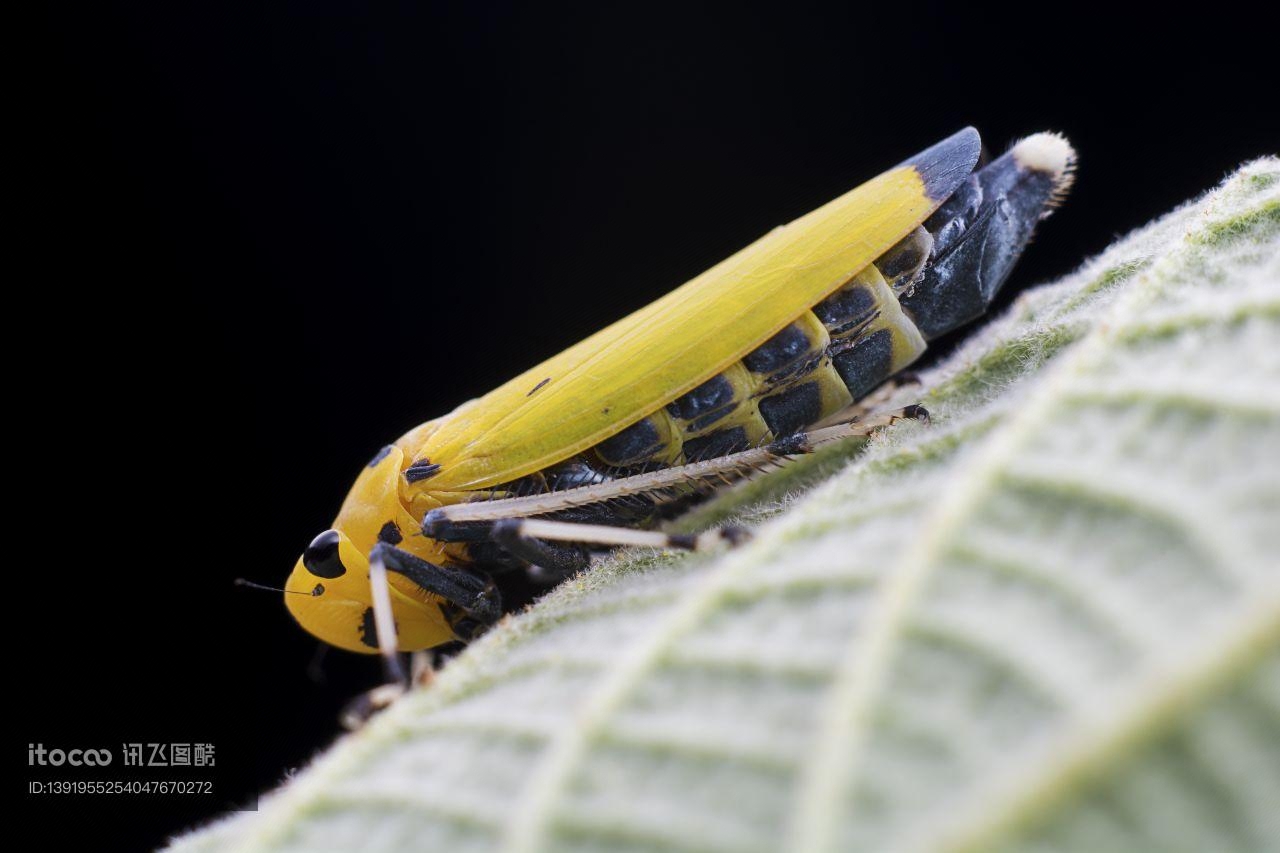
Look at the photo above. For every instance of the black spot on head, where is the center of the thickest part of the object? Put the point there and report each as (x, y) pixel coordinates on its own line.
(867, 364)
(789, 345)
(382, 454)
(390, 533)
(792, 410)
(368, 629)
(318, 591)
(719, 443)
(421, 470)
(321, 557)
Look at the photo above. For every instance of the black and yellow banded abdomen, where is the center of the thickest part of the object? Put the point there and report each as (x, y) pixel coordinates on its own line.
(822, 361)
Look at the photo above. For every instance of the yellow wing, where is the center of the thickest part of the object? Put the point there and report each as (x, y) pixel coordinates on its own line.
(592, 390)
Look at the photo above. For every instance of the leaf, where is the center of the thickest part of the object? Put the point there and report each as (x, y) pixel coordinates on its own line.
(1048, 621)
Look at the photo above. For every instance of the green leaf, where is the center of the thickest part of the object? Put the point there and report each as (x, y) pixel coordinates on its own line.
(1048, 621)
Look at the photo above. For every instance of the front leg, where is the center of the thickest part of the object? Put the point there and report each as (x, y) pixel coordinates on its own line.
(476, 598)
(471, 604)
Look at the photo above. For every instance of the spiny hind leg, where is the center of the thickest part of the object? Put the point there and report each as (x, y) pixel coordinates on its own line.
(541, 532)
(513, 519)
(470, 522)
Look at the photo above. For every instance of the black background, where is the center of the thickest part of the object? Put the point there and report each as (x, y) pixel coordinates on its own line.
(257, 244)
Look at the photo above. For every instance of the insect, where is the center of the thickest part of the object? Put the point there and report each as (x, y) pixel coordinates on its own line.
(731, 370)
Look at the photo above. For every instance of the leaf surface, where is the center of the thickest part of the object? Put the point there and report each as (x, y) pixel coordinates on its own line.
(1048, 621)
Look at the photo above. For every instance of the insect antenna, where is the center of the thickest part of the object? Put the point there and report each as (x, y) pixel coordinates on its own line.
(252, 585)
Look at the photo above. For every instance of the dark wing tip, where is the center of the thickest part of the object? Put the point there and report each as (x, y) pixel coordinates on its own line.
(945, 165)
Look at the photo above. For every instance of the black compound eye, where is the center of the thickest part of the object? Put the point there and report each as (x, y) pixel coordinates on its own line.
(321, 557)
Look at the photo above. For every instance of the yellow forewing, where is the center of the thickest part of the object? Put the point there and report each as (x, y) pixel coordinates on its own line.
(644, 361)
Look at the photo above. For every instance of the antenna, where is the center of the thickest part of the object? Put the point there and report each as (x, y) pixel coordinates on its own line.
(252, 585)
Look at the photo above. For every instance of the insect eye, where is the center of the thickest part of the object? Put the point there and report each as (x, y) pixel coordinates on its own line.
(321, 557)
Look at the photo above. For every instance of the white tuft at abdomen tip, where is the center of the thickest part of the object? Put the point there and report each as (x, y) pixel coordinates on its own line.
(1045, 152)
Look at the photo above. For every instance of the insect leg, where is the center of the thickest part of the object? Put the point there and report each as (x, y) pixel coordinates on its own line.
(474, 600)
(556, 561)
(384, 622)
(477, 597)
(358, 711)
(474, 521)
(477, 521)
(603, 534)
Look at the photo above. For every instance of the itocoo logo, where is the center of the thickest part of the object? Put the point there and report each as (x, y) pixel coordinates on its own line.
(37, 754)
